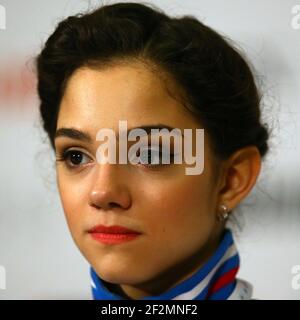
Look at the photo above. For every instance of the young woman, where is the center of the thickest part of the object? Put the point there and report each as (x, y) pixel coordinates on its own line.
(149, 230)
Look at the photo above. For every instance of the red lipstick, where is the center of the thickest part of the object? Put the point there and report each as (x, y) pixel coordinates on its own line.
(113, 234)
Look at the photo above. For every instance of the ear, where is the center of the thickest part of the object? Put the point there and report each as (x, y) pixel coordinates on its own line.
(240, 173)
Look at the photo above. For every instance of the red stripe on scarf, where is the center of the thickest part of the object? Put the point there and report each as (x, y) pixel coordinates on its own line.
(225, 279)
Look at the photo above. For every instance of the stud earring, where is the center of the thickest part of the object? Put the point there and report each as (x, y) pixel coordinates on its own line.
(223, 215)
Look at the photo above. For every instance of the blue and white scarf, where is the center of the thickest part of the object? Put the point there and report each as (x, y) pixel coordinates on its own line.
(215, 280)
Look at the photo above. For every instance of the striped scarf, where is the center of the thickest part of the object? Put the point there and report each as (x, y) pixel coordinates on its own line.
(215, 280)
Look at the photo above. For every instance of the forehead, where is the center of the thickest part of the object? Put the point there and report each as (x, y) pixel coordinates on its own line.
(97, 98)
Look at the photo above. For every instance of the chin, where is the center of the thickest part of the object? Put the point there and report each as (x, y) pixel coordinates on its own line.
(124, 275)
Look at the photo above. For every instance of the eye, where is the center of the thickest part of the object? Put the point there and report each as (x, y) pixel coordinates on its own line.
(74, 158)
(157, 156)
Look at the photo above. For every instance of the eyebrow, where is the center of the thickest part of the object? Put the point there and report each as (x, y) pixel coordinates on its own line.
(81, 135)
(73, 134)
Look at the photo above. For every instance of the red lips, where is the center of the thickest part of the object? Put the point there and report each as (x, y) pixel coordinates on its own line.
(113, 235)
(112, 229)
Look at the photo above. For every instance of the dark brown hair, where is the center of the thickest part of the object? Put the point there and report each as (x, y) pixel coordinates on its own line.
(217, 81)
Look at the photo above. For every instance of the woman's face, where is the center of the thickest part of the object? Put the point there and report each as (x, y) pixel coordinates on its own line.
(174, 212)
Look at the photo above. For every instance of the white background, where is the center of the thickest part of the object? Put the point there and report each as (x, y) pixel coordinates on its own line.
(36, 249)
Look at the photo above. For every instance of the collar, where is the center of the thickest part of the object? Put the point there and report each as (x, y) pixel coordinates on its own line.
(215, 280)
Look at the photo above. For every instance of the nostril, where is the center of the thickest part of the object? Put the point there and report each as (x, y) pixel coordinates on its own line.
(109, 205)
(113, 204)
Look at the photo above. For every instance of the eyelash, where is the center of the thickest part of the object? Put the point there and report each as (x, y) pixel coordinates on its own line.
(64, 157)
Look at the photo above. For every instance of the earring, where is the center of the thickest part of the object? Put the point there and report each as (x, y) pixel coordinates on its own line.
(223, 215)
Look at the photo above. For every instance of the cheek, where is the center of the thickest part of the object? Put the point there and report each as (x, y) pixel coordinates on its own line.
(180, 209)
(72, 195)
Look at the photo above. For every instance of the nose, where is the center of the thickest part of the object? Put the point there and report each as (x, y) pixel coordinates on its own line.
(108, 189)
